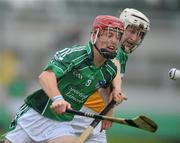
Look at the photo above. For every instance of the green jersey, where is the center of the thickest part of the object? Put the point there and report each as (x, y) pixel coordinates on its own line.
(122, 57)
(77, 78)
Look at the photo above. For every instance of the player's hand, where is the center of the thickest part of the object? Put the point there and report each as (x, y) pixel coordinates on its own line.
(60, 106)
(106, 124)
(118, 96)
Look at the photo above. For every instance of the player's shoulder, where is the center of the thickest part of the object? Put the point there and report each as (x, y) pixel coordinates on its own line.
(78, 52)
(79, 49)
(74, 51)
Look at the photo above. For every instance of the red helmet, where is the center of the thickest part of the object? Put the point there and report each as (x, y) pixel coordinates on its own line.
(107, 21)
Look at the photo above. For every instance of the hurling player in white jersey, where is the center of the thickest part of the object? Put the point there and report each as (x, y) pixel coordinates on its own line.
(136, 27)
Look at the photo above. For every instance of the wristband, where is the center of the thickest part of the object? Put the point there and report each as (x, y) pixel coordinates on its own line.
(58, 97)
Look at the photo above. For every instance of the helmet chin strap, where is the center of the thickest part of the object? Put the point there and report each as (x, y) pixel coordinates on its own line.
(105, 53)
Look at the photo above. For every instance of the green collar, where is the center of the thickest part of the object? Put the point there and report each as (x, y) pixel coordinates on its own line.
(89, 49)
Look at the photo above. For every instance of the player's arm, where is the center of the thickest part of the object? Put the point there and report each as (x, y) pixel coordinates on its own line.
(116, 92)
(117, 81)
(48, 82)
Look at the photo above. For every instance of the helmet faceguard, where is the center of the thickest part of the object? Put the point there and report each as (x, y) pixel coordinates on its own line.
(133, 17)
(110, 23)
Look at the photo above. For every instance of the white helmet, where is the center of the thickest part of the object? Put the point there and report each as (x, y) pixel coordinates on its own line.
(132, 16)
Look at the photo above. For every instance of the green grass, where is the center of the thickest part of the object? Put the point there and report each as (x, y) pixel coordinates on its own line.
(132, 139)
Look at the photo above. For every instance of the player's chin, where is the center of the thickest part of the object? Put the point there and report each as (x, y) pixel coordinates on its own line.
(128, 48)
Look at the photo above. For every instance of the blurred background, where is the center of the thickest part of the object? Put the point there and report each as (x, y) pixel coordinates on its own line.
(32, 30)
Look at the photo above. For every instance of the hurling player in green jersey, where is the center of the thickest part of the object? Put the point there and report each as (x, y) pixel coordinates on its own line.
(70, 77)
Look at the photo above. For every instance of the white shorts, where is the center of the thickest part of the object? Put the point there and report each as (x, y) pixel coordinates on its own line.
(80, 123)
(33, 127)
